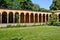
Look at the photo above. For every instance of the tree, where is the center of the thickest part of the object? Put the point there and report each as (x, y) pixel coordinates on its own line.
(3, 4)
(52, 19)
(44, 10)
(20, 4)
(55, 5)
(36, 7)
(26, 5)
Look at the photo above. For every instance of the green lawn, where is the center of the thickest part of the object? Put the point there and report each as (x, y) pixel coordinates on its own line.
(31, 33)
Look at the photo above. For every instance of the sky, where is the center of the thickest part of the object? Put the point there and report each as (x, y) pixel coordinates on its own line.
(43, 3)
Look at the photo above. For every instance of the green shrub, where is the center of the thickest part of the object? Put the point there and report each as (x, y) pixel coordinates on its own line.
(23, 25)
(52, 18)
(18, 25)
(8, 26)
(56, 24)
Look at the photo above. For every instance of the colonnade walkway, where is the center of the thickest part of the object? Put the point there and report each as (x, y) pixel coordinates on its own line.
(24, 16)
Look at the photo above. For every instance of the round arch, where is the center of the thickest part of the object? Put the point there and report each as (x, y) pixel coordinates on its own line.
(36, 18)
(31, 18)
(46, 17)
(16, 17)
(43, 17)
(59, 17)
(4, 17)
(22, 17)
(27, 18)
(10, 17)
(40, 18)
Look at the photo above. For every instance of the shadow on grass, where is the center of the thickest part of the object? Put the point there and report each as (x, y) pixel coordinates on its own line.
(16, 38)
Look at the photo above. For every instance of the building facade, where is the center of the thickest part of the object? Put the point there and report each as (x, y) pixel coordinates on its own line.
(8, 16)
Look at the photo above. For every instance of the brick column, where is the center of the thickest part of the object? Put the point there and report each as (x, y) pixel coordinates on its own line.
(38, 18)
(41, 18)
(13, 17)
(24, 17)
(7, 17)
(33, 17)
(1, 17)
(48, 17)
(45, 18)
(29, 17)
(19, 17)
(57, 17)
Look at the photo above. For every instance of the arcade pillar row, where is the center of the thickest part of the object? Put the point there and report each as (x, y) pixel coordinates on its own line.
(25, 17)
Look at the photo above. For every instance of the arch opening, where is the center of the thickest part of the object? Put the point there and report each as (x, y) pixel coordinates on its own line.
(10, 17)
(36, 18)
(27, 17)
(40, 18)
(22, 18)
(31, 18)
(47, 18)
(59, 17)
(43, 17)
(4, 17)
(16, 17)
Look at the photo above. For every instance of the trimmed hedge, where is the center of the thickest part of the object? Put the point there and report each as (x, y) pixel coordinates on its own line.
(18, 25)
(56, 24)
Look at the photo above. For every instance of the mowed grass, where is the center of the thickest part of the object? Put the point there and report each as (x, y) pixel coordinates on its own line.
(31, 33)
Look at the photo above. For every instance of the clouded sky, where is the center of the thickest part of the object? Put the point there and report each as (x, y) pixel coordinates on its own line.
(43, 3)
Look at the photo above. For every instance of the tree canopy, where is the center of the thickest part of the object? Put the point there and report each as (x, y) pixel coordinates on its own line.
(20, 4)
(55, 5)
(3, 4)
